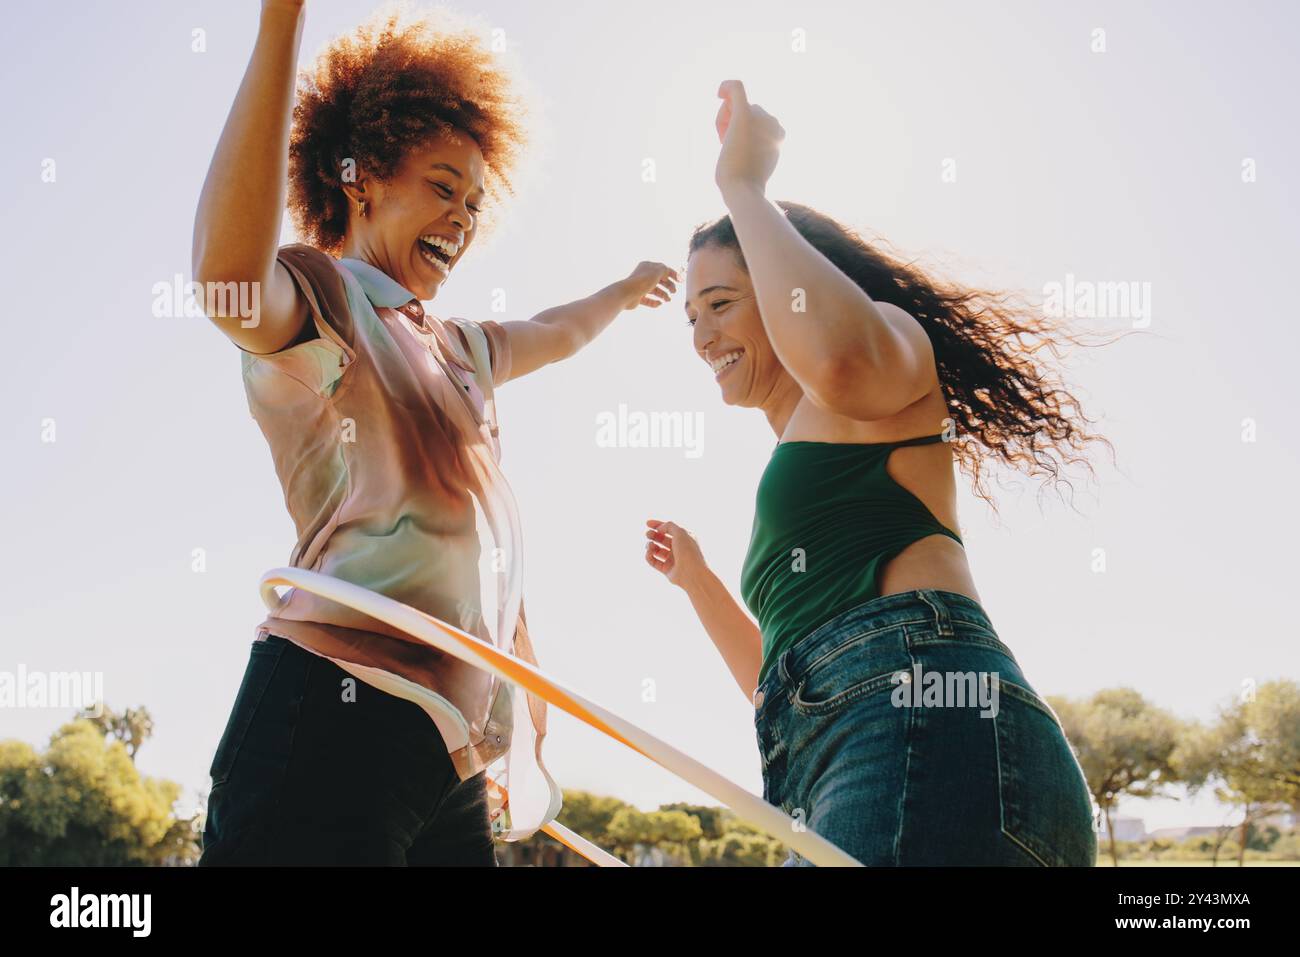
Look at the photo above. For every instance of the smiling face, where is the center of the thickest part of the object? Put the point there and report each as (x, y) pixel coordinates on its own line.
(419, 223)
(729, 333)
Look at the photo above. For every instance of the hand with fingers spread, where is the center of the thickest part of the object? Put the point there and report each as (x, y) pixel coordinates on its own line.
(649, 284)
(674, 551)
(751, 140)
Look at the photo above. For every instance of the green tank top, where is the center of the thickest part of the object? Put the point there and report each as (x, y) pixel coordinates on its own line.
(827, 519)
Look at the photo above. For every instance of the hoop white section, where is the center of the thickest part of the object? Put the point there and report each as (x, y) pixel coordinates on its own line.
(467, 648)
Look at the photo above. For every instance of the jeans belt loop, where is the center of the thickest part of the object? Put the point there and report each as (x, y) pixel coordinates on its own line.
(942, 620)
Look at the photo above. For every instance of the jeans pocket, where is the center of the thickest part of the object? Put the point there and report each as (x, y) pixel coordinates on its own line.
(859, 666)
(1044, 802)
(262, 660)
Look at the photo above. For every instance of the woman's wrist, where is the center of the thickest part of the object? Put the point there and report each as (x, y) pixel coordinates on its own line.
(741, 190)
(699, 585)
(282, 12)
(616, 296)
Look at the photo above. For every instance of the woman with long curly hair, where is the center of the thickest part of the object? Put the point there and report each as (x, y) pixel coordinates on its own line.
(891, 718)
(350, 742)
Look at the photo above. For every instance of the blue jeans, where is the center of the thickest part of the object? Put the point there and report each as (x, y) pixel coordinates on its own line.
(904, 732)
(303, 775)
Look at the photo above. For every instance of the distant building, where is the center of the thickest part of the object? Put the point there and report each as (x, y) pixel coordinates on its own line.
(1183, 833)
(1283, 821)
(644, 855)
(1126, 829)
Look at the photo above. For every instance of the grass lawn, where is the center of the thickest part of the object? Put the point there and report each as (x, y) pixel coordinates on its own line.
(1104, 861)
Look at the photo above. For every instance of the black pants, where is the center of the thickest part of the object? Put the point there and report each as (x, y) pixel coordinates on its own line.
(316, 767)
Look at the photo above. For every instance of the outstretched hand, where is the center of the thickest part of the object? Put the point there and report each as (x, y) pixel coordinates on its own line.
(649, 284)
(751, 140)
(674, 551)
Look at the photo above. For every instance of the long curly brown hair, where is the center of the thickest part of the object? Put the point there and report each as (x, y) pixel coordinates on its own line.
(1005, 400)
(372, 95)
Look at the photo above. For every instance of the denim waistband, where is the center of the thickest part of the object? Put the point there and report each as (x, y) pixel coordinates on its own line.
(941, 608)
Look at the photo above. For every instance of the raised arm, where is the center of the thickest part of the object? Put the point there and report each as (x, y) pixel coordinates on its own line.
(852, 356)
(237, 226)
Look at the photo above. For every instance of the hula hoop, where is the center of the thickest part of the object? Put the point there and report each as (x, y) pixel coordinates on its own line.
(433, 631)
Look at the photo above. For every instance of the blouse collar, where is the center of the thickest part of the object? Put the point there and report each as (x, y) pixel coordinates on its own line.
(380, 288)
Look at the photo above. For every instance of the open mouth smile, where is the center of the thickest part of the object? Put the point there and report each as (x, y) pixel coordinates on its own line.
(439, 252)
(721, 364)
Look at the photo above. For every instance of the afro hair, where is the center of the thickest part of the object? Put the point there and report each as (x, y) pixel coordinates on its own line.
(372, 95)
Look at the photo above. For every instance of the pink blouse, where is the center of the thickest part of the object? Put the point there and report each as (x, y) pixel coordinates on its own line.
(384, 436)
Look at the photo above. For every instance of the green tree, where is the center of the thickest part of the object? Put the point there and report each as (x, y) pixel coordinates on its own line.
(742, 847)
(1251, 757)
(673, 827)
(84, 802)
(714, 821)
(1125, 746)
(589, 814)
(671, 831)
(133, 727)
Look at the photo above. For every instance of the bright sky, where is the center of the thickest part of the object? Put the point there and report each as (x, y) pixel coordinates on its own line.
(1117, 166)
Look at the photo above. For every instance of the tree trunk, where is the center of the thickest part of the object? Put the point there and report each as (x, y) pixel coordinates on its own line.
(1110, 832)
(1245, 831)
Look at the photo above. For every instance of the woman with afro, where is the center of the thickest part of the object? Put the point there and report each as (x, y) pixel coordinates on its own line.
(381, 423)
